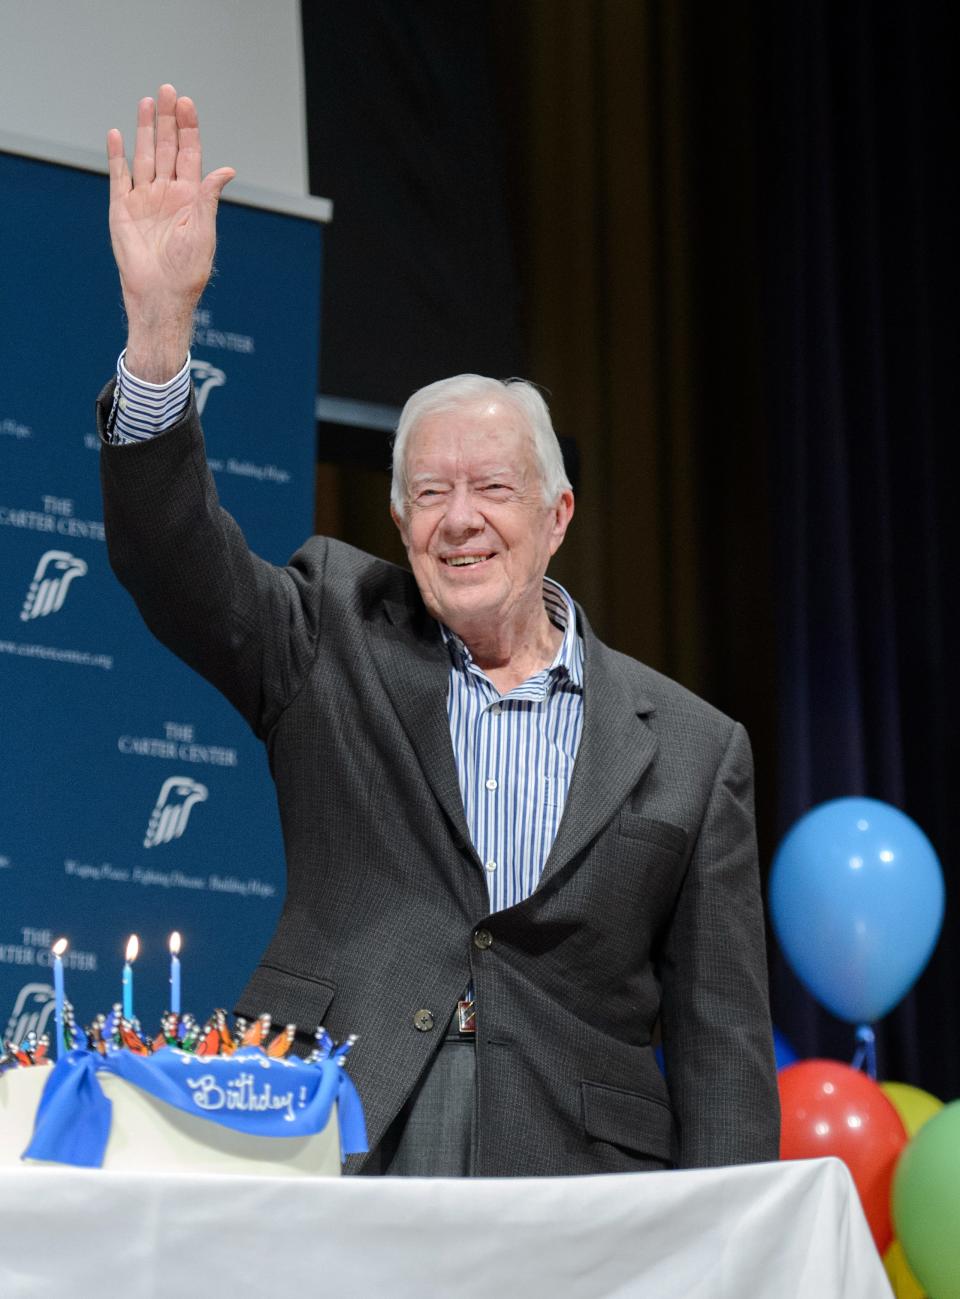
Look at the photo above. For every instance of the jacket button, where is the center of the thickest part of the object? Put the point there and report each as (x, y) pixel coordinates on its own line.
(423, 1020)
(483, 939)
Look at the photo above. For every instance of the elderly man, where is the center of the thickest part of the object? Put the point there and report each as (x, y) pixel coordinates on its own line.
(511, 851)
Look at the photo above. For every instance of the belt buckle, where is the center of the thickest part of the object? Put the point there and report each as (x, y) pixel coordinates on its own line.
(466, 1016)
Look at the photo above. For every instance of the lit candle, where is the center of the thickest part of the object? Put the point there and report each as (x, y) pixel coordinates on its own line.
(59, 947)
(133, 947)
(175, 973)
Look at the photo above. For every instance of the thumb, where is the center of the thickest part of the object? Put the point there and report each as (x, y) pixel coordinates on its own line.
(212, 186)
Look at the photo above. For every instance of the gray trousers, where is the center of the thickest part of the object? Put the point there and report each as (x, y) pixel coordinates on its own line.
(432, 1136)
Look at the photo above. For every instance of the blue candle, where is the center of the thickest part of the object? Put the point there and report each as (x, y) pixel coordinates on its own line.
(133, 947)
(175, 973)
(59, 947)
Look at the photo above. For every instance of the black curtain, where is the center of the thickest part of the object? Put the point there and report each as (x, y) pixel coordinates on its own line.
(403, 134)
(723, 239)
(857, 130)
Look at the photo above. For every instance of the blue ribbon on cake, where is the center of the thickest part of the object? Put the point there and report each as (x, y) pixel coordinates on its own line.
(247, 1091)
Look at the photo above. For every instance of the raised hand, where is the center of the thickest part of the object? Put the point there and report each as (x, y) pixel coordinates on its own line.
(163, 230)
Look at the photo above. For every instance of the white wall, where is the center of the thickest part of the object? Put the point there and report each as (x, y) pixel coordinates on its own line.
(71, 69)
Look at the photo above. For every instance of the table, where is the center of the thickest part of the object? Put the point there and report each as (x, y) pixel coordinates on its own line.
(763, 1231)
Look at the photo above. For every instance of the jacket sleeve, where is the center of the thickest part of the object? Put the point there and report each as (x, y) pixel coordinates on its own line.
(715, 1015)
(247, 626)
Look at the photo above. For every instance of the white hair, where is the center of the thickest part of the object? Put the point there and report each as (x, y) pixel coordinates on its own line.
(463, 390)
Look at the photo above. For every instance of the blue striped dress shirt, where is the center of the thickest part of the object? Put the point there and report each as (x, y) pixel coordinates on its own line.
(514, 752)
(141, 409)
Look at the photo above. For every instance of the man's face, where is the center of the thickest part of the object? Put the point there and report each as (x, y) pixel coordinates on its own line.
(477, 530)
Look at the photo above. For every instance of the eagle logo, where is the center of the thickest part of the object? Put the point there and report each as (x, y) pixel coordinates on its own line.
(31, 1012)
(171, 812)
(205, 377)
(48, 590)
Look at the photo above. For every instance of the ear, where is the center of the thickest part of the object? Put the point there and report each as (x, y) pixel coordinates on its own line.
(401, 526)
(562, 514)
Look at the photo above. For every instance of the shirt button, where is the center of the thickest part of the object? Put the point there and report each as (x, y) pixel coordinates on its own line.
(489, 865)
(483, 939)
(491, 783)
(423, 1020)
(496, 710)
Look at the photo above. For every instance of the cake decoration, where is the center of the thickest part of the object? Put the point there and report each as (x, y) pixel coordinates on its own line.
(237, 1076)
(31, 1051)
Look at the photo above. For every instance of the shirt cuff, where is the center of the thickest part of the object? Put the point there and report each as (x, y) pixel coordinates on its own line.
(141, 410)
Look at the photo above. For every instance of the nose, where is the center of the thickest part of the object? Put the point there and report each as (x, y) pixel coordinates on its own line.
(462, 517)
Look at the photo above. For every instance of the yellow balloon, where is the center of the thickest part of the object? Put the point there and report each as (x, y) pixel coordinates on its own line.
(912, 1104)
(905, 1284)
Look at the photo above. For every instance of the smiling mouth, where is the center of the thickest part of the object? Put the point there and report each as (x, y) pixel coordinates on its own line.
(466, 561)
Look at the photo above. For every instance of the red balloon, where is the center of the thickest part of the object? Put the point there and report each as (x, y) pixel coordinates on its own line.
(830, 1109)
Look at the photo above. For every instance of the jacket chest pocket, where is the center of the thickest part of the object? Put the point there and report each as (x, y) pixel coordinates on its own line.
(651, 860)
(658, 834)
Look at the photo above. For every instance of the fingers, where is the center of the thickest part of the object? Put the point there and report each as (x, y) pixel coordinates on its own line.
(165, 152)
(213, 185)
(117, 165)
(144, 157)
(189, 161)
(167, 147)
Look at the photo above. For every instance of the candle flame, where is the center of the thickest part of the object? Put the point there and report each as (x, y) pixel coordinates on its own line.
(60, 946)
(175, 943)
(133, 947)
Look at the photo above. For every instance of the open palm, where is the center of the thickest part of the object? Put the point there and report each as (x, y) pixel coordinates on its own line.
(163, 216)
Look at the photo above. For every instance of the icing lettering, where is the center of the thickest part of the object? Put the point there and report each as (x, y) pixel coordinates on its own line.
(241, 1094)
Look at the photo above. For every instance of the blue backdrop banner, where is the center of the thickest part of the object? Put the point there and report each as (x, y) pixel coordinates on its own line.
(134, 800)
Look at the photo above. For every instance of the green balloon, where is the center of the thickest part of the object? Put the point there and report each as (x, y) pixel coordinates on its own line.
(926, 1203)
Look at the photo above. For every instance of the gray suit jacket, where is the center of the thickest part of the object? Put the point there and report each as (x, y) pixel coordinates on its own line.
(648, 908)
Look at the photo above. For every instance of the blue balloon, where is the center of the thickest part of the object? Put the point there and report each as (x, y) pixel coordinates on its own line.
(856, 898)
(782, 1050)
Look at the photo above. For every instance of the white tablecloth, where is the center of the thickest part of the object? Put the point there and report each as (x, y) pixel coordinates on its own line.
(783, 1231)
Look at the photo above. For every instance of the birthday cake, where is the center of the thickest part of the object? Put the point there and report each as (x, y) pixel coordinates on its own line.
(212, 1099)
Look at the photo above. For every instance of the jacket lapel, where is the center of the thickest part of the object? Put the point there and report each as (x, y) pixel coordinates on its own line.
(616, 744)
(414, 666)
(616, 748)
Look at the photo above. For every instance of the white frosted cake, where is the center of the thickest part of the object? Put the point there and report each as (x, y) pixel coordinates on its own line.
(216, 1098)
(148, 1135)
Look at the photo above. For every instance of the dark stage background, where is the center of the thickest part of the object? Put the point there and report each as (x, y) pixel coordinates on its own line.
(721, 237)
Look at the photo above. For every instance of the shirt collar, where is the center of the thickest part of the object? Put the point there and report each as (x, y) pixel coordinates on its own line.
(568, 661)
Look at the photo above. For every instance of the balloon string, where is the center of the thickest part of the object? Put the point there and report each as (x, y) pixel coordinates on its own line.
(865, 1056)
